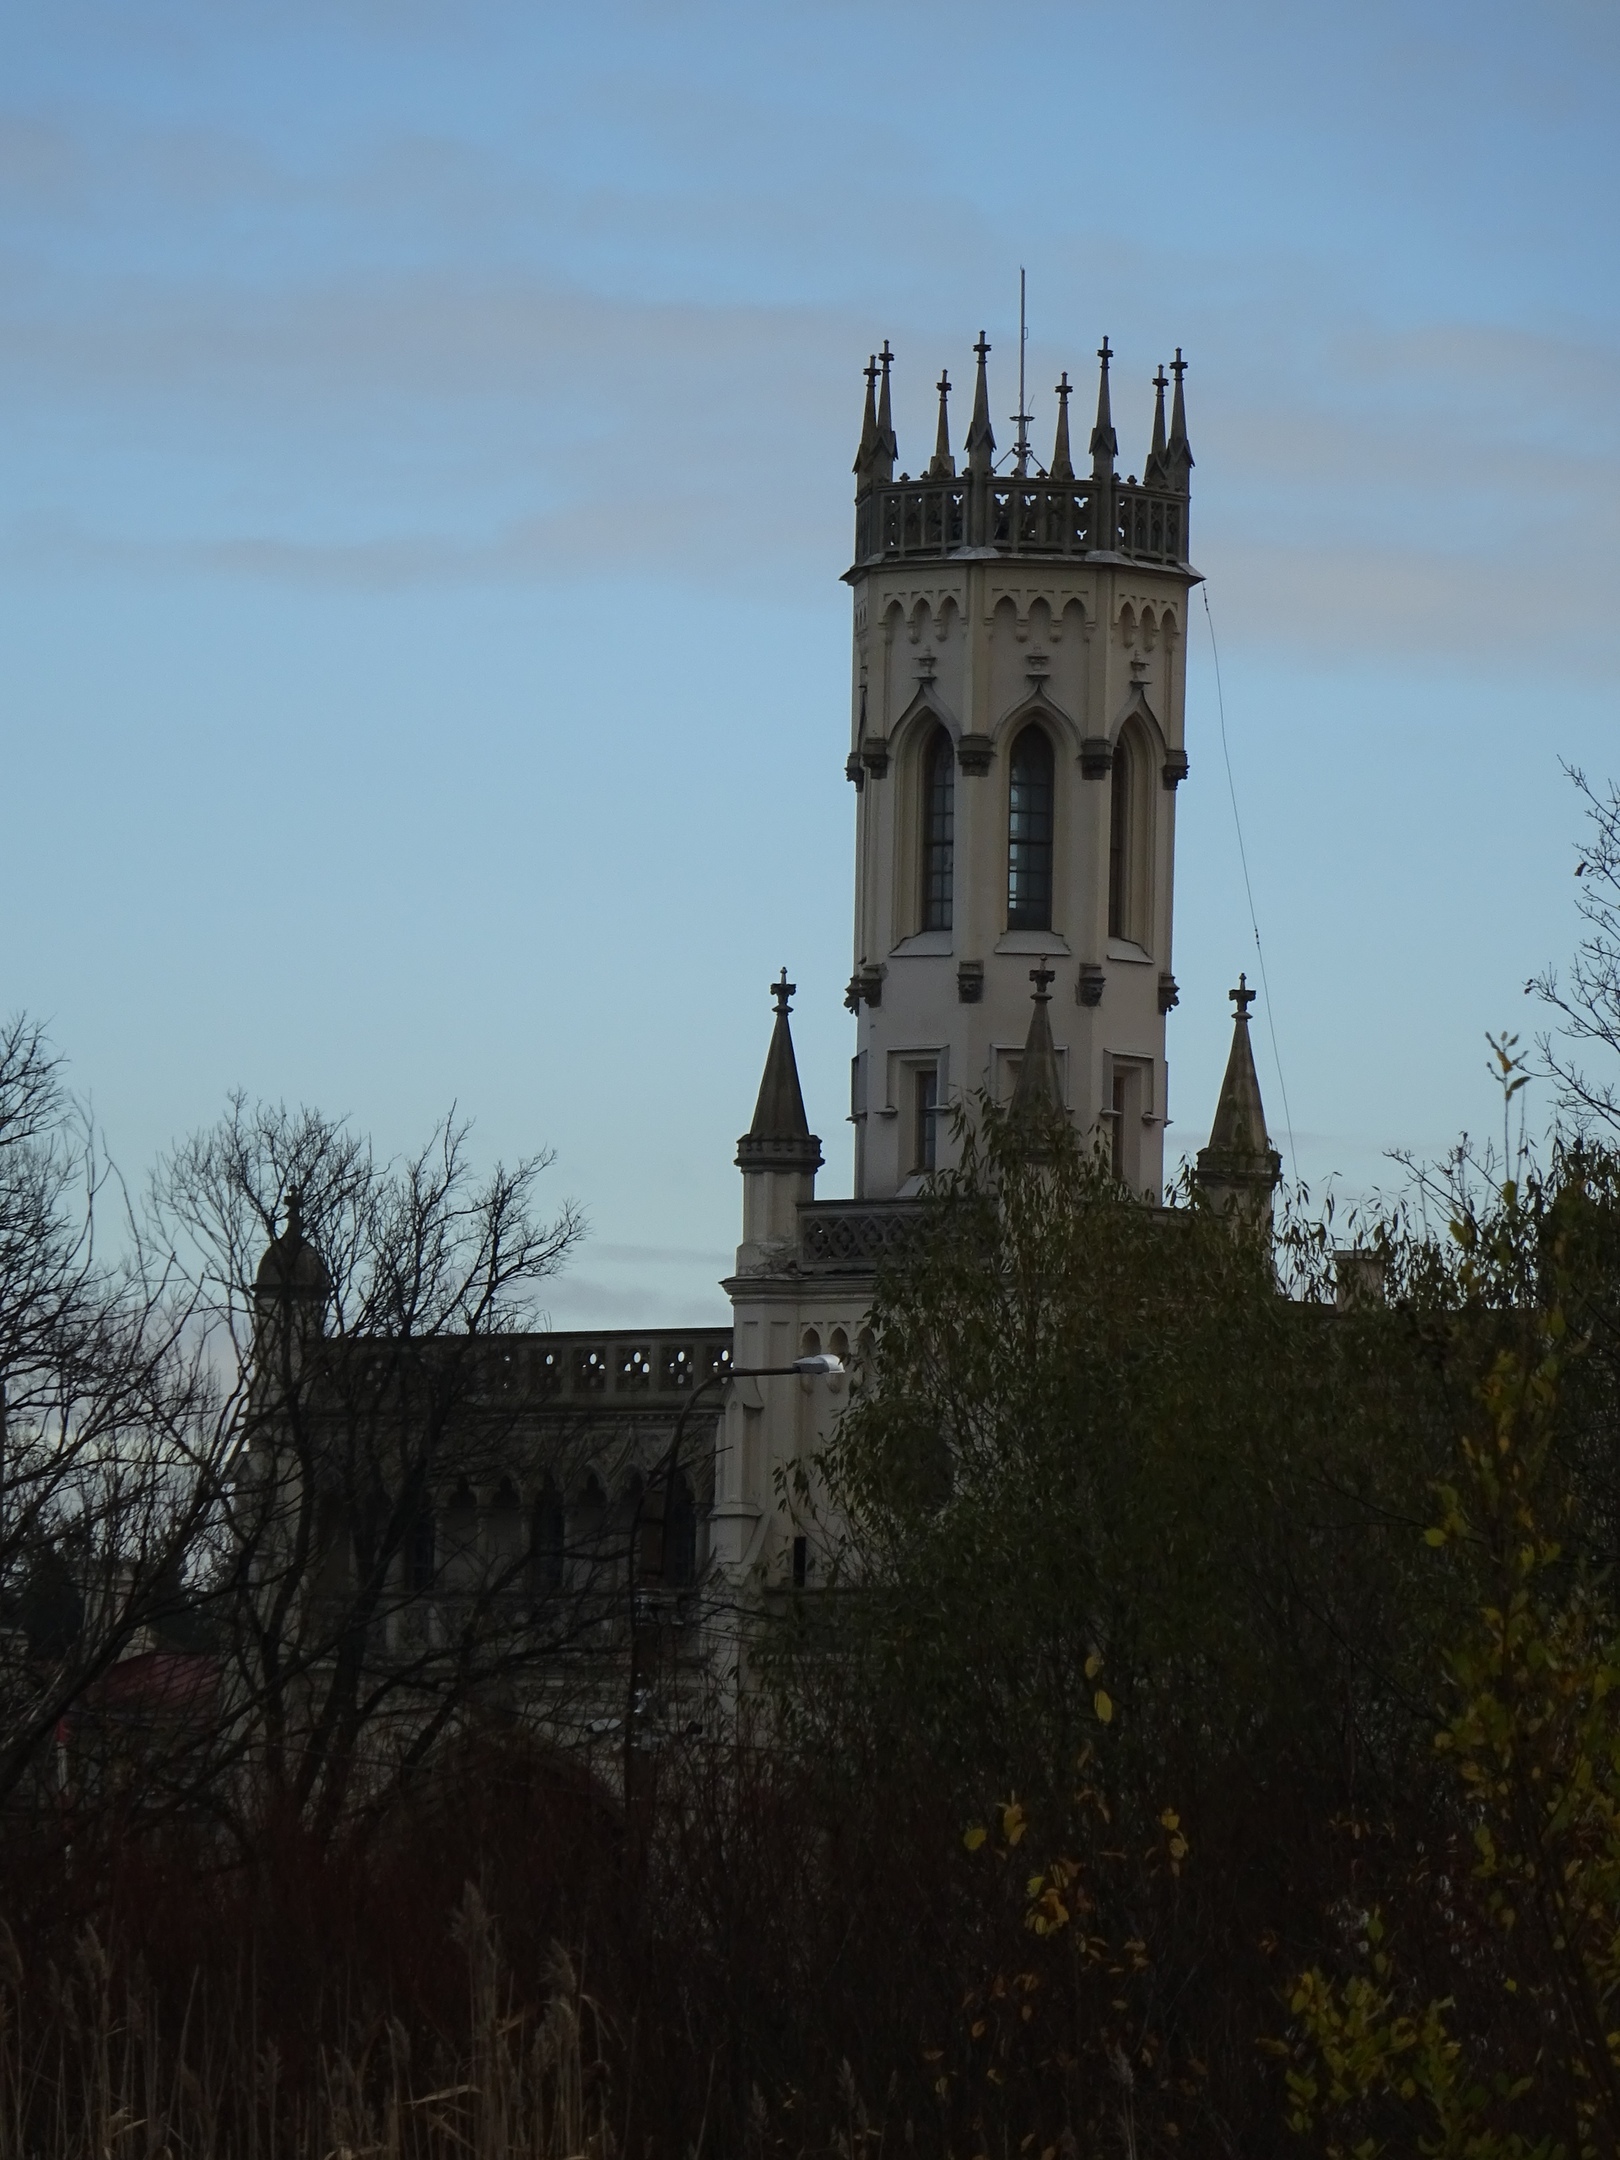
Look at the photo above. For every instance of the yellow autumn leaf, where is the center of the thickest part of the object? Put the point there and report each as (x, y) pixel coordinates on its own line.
(1012, 1822)
(975, 1837)
(1103, 1706)
(1093, 1666)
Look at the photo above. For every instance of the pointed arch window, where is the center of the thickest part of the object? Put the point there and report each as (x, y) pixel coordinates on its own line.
(938, 830)
(1129, 840)
(1119, 838)
(1029, 833)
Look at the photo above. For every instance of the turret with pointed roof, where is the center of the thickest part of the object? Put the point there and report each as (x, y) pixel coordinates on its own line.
(1240, 1169)
(778, 1155)
(780, 1137)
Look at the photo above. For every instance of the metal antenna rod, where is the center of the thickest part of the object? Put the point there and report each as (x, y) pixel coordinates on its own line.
(1022, 417)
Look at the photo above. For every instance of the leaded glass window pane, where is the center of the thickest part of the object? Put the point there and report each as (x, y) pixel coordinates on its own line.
(1029, 833)
(939, 832)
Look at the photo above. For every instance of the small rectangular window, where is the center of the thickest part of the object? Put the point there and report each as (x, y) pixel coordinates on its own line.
(801, 1561)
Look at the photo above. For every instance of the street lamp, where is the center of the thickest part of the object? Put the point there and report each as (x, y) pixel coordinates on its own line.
(822, 1364)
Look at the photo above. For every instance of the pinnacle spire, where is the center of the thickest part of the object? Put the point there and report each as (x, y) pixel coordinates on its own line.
(1062, 463)
(981, 441)
(1178, 457)
(780, 1137)
(866, 455)
(1153, 472)
(944, 465)
(1240, 1167)
(1104, 442)
(1039, 1092)
(887, 447)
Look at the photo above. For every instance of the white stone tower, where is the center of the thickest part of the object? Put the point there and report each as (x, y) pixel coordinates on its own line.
(1019, 681)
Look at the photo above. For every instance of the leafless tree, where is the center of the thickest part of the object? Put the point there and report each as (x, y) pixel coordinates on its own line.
(1587, 1000)
(110, 1442)
(365, 1316)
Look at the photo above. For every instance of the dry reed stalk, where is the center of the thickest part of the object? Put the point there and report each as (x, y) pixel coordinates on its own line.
(88, 2073)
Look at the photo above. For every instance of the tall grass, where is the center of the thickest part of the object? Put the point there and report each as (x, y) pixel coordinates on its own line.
(94, 2067)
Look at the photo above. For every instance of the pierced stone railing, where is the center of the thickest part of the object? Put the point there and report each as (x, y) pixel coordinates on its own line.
(854, 1237)
(630, 1367)
(906, 520)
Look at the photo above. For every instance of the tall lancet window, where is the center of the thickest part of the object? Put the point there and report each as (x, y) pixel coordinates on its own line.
(1029, 833)
(938, 831)
(1119, 841)
(1130, 843)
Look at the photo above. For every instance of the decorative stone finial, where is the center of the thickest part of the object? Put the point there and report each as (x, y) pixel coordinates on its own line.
(981, 441)
(887, 447)
(1178, 457)
(943, 466)
(1062, 463)
(1153, 472)
(866, 455)
(1104, 442)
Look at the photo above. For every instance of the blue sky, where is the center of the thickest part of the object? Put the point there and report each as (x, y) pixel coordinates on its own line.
(424, 477)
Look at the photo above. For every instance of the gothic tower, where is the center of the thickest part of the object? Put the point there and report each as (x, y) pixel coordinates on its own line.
(1019, 680)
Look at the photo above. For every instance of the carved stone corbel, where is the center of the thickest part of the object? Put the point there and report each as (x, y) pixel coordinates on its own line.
(974, 752)
(970, 982)
(1175, 769)
(1096, 757)
(1091, 983)
(875, 755)
(865, 988)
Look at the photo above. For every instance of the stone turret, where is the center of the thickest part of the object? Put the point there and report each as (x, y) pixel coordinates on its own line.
(1240, 1169)
(1017, 738)
(291, 1292)
(778, 1155)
